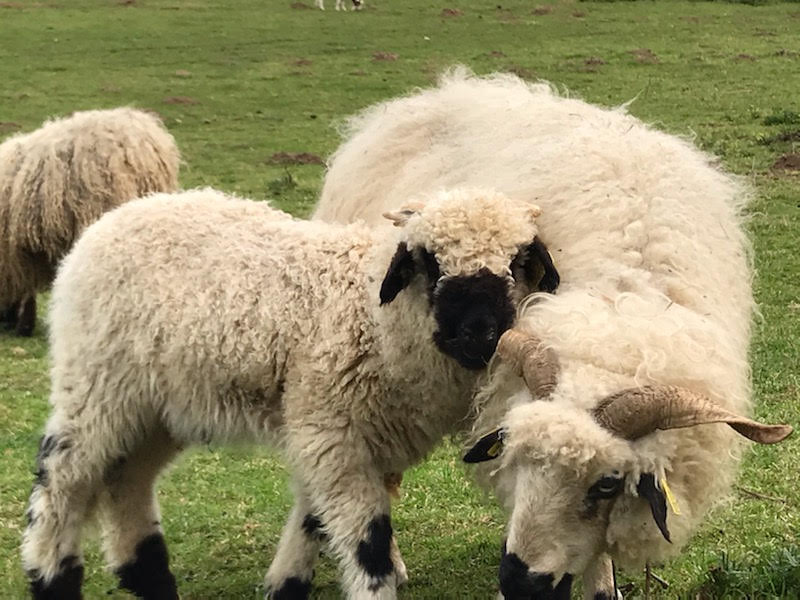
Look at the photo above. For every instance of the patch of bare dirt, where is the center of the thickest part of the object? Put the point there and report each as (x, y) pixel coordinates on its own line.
(387, 56)
(179, 100)
(788, 53)
(788, 136)
(182, 73)
(644, 56)
(126, 2)
(540, 11)
(787, 162)
(748, 57)
(694, 20)
(523, 72)
(497, 54)
(594, 61)
(579, 14)
(450, 12)
(290, 158)
(302, 62)
(9, 126)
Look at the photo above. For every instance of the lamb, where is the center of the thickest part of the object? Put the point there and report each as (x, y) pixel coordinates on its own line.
(178, 319)
(653, 314)
(57, 180)
(340, 4)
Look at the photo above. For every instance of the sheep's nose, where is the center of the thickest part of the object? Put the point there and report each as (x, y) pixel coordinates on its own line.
(480, 330)
(517, 582)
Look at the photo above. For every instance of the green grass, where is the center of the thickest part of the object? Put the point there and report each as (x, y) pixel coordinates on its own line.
(258, 78)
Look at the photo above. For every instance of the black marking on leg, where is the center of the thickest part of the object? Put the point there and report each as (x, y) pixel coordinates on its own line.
(373, 553)
(30, 517)
(64, 586)
(312, 527)
(148, 574)
(293, 588)
(27, 317)
(47, 445)
(9, 315)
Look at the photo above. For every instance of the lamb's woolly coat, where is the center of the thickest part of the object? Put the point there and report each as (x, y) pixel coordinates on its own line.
(60, 178)
(210, 317)
(646, 233)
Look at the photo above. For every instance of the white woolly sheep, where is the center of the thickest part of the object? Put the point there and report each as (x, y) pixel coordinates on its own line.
(655, 303)
(340, 4)
(177, 319)
(57, 180)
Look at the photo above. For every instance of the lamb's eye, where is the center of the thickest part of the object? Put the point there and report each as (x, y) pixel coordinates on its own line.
(606, 487)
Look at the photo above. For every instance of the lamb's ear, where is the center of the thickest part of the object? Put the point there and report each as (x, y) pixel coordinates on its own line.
(399, 274)
(488, 447)
(537, 254)
(657, 500)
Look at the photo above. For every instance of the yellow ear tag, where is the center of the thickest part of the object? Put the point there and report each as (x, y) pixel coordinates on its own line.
(673, 503)
(495, 449)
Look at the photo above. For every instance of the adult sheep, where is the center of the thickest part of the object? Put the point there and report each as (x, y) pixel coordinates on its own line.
(59, 179)
(179, 319)
(651, 323)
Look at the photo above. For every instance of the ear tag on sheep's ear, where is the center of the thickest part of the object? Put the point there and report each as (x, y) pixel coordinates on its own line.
(488, 447)
(671, 500)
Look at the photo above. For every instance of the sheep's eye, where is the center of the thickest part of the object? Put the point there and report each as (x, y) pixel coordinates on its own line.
(606, 487)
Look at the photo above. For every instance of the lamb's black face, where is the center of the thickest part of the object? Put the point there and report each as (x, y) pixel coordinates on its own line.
(471, 311)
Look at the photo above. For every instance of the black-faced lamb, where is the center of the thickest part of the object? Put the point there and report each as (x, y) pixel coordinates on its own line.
(57, 180)
(178, 319)
(655, 302)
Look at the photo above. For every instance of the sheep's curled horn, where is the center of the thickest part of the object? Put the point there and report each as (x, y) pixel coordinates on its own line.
(525, 355)
(636, 412)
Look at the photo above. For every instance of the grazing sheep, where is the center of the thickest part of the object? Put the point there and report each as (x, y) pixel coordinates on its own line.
(340, 4)
(178, 319)
(655, 302)
(59, 179)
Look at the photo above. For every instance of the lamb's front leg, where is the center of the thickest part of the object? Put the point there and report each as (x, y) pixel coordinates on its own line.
(351, 501)
(289, 576)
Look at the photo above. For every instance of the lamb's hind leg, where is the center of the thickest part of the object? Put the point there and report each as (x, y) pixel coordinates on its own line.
(133, 540)
(291, 571)
(69, 471)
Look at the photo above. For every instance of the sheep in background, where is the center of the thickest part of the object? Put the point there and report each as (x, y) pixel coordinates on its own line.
(341, 5)
(655, 291)
(178, 319)
(59, 179)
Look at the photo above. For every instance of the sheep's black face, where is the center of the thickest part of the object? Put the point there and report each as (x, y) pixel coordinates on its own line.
(471, 313)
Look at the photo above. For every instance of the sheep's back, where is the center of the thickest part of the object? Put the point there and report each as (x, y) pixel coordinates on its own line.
(195, 295)
(60, 178)
(636, 220)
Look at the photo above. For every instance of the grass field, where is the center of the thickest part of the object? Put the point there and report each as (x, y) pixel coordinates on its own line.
(243, 83)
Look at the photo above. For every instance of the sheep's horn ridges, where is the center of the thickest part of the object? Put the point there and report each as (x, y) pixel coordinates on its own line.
(538, 366)
(636, 412)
